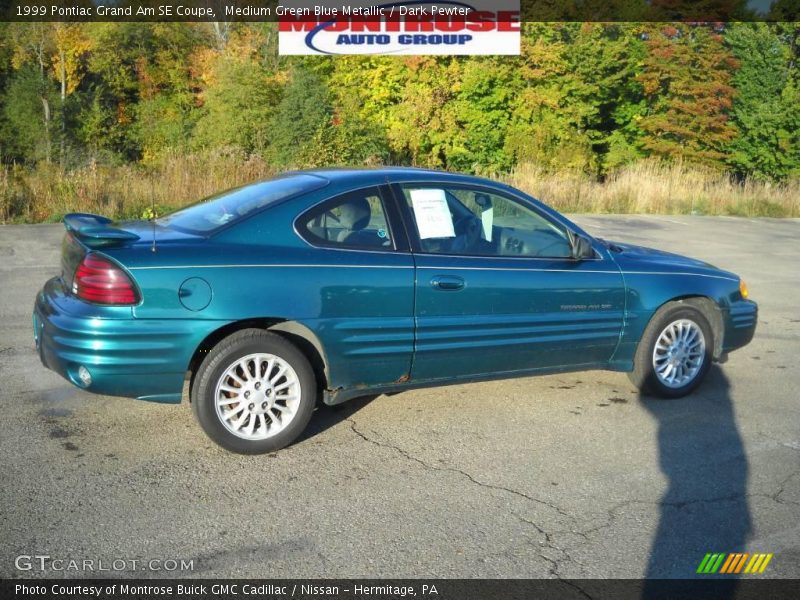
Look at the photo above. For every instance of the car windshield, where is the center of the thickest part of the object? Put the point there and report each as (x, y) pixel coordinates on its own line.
(233, 205)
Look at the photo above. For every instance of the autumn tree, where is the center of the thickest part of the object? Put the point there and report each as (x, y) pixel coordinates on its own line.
(589, 96)
(686, 79)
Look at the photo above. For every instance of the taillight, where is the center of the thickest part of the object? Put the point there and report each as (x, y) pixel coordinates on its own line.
(99, 280)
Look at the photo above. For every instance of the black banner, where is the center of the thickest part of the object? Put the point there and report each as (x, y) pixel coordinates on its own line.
(378, 589)
(274, 10)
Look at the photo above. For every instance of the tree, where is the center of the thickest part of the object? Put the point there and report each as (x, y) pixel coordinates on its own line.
(239, 94)
(686, 80)
(305, 109)
(482, 114)
(140, 86)
(27, 112)
(605, 59)
(765, 109)
(371, 91)
(31, 91)
(70, 46)
(547, 119)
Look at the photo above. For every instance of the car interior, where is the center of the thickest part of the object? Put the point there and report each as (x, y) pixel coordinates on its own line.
(356, 222)
(484, 227)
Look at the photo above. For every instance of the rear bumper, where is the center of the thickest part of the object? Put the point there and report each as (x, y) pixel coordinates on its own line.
(740, 325)
(137, 358)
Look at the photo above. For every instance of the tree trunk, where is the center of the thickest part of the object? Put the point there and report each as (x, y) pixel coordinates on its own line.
(45, 102)
(221, 33)
(47, 144)
(63, 74)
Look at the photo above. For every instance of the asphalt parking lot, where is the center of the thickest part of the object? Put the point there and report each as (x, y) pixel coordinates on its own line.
(571, 476)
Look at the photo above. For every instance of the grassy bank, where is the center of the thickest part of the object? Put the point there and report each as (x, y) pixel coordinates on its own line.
(658, 188)
(46, 193)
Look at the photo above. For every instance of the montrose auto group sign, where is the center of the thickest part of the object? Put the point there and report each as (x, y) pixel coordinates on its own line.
(401, 28)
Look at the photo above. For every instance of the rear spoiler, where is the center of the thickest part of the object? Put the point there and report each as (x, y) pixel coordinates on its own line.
(96, 230)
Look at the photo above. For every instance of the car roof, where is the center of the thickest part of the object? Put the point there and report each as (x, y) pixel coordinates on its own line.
(378, 175)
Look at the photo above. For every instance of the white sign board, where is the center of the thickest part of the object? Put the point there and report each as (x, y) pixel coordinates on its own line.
(416, 27)
(432, 214)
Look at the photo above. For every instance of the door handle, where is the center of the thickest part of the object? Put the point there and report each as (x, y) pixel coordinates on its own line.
(447, 283)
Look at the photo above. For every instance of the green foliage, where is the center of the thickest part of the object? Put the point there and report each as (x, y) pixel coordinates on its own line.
(592, 99)
(299, 121)
(766, 110)
(548, 114)
(30, 133)
(238, 108)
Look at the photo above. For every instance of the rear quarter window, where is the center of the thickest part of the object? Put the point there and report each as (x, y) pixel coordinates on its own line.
(355, 220)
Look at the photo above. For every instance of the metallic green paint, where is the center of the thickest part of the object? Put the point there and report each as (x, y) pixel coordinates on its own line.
(374, 316)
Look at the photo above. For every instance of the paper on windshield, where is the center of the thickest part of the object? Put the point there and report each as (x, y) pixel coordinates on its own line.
(432, 214)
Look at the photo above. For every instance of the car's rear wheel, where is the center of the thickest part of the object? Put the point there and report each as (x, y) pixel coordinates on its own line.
(254, 392)
(674, 353)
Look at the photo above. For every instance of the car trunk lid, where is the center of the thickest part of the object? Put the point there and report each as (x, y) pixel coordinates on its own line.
(86, 232)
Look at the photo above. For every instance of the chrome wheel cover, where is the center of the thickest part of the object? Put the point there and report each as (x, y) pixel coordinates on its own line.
(679, 353)
(257, 396)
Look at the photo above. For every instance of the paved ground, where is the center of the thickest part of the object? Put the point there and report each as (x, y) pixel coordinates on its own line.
(570, 476)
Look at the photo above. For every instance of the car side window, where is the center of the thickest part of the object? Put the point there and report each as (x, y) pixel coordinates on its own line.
(474, 222)
(353, 220)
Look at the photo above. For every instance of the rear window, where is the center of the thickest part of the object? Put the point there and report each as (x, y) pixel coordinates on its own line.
(234, 205)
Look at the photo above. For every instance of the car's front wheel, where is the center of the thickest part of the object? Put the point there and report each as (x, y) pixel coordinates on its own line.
(674, 353)
(254, 392)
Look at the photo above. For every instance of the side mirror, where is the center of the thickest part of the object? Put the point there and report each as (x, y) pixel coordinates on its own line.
(581, 247)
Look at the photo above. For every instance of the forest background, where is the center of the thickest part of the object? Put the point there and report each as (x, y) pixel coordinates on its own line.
(115, 118)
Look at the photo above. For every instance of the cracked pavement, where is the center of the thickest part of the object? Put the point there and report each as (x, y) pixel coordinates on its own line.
(569, 476)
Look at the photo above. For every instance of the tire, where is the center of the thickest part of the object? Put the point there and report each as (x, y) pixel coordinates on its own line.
(674, 369)
(274, 407)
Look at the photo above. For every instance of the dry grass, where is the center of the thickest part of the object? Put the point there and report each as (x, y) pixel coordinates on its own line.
(46, 193)
(658, 188)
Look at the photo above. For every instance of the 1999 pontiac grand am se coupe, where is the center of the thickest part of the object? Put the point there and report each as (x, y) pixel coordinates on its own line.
(343, 283)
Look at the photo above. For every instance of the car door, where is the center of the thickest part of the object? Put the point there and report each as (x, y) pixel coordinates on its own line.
(363, 287)
(497, 290)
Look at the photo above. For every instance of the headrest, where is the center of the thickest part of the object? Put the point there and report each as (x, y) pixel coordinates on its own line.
(355, 214)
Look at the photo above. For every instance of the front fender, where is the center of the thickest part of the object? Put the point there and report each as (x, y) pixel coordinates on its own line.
(647, 291)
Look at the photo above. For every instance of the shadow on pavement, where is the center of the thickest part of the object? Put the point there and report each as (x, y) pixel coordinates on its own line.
(325, 417)
(705, 507)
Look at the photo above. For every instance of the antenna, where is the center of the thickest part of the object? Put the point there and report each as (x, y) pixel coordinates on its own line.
(153, 218)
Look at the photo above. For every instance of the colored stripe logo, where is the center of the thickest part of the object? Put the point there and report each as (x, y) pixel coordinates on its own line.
(732, 563)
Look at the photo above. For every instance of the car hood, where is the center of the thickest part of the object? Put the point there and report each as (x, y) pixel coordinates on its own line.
(632, 256)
